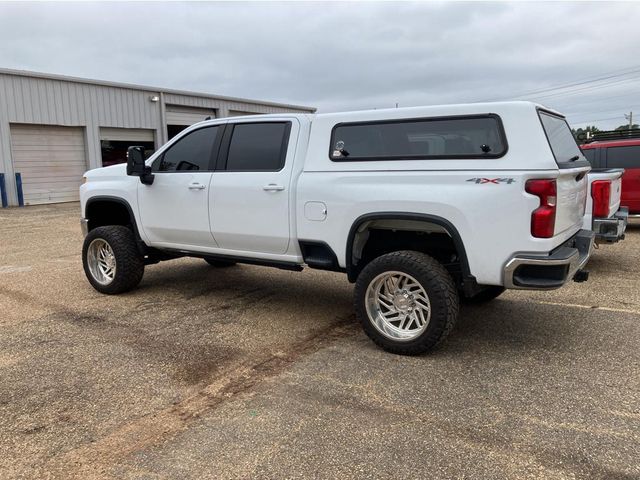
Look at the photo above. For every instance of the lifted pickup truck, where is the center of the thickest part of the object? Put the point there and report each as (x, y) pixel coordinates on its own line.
(603, 213)
(420, 207)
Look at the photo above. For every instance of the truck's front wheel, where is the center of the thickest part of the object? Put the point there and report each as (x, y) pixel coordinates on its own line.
(406, 302)
(111, 259)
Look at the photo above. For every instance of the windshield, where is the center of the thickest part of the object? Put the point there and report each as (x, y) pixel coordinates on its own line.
(561, 140)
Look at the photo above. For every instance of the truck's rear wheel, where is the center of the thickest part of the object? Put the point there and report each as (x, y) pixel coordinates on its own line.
(111, 259)
(406, 302)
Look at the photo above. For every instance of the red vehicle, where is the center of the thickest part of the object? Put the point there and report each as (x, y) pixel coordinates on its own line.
(619, 153)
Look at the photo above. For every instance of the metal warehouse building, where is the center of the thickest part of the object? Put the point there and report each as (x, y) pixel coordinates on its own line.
(53, 128)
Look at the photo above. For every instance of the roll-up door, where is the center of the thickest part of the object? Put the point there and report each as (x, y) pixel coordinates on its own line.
(126, 134)
(239, 113)
(114, 143)
(50, 160)
(185, 116)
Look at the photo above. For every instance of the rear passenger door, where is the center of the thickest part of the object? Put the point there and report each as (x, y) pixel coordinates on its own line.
(250, 190)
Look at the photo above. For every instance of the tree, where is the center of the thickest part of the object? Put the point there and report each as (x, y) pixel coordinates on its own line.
(581, 133)
(635, 126)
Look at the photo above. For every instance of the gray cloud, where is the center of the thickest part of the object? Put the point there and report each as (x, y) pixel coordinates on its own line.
(339, 56)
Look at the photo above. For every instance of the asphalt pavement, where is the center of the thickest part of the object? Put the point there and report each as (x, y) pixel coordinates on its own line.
(251, 372)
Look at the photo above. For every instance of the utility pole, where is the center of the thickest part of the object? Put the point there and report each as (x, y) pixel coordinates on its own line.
(630, 118)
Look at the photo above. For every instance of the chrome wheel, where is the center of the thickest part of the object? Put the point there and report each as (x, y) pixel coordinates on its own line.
(101, 261)
(398, 306)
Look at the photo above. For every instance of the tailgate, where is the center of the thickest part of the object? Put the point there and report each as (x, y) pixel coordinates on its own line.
(572, 181)
(616, 193)
(571, 198)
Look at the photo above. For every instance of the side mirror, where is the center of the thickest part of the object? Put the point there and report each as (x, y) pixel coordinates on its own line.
(136, 165)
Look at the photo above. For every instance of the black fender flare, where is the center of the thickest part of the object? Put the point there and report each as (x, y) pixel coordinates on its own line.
(420, 217)
(121, 201)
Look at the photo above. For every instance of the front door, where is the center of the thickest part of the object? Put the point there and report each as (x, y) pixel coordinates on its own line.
(174, 210)
(250, 191)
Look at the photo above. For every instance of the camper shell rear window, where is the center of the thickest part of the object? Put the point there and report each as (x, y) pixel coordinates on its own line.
(460, 137)
(563, 145)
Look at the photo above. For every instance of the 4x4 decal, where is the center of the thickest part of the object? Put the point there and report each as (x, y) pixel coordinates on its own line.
(492, 180)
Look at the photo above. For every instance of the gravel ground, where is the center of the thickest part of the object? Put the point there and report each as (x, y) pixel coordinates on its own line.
(249, 372)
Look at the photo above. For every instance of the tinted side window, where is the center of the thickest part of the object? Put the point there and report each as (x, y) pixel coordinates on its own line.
(464, 137)
(258, 147)
(193, 152)
(590, 154)
(623, 157)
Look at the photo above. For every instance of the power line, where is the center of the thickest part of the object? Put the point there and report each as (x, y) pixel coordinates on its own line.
(599, 120)
(609, 97)
(599, 112)
(599, 79)
(609, 75)
(587, 88)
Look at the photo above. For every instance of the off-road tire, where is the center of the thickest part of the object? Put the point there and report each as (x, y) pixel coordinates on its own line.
(129, 262)
(439, 286)
(489, 293)
(219, 263)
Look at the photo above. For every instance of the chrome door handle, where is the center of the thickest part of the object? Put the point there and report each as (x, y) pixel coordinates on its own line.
(197, 186)
(272, 187)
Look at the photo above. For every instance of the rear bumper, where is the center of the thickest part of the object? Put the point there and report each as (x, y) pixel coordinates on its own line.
(611, 230)
(546, 272)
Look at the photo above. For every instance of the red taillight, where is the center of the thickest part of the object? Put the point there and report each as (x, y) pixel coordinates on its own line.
(543, 218)
(601, 194)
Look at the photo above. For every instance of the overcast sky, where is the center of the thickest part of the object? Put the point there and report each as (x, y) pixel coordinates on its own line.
(338, 56)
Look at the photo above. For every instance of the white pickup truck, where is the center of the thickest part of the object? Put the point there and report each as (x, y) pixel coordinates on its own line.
(420, 207)
(603, 213)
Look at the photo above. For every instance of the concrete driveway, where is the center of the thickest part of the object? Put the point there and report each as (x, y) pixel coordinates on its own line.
(250, 372)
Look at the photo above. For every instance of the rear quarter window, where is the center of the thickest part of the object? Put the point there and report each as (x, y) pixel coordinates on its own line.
(478, 136)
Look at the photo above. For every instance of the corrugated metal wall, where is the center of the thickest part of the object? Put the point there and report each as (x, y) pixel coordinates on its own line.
(42, 101)
(223, 106)
(49, 100)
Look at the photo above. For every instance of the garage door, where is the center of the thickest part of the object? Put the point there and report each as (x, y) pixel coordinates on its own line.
(126, 134)
(51, 161)
(177, 115)
(239, 113)
(114, 143)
